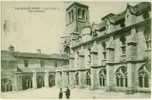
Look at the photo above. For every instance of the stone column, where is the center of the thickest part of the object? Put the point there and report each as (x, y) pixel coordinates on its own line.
(131, 56)
(34, 80)
(16, 83)
(131, 77)
(94, 63)
(72, 79)
(94, 78)
(110, 77)
(109, 67)
(46, 79)
(58, 79)
(81, 79)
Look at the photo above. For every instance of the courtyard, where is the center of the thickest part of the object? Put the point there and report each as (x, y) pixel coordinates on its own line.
(52, 93)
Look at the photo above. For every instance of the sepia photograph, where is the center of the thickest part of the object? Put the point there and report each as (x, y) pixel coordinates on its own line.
(75, 50)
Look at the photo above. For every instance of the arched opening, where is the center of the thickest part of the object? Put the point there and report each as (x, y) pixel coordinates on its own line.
(51, 80)
(102, 77)
(77, 78)
(143, 77)
(26, 82)
(6, 85)
(40, 82)
(88, 79)
(121, 77)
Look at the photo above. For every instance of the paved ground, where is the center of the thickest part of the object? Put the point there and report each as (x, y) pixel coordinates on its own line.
(52, 93)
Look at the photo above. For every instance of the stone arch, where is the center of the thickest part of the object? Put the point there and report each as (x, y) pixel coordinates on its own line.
(121, 77)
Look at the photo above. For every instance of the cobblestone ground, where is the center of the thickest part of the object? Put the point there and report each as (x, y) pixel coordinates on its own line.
(52, 93)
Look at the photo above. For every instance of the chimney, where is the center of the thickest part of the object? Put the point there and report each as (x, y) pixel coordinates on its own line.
(11, 48)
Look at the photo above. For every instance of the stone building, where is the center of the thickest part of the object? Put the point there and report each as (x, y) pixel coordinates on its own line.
(22, 70)
(114, 55)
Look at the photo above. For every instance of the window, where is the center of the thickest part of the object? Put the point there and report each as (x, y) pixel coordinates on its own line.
(83, 14)
(147, 39)
(143, 78)
(42, 63)
(88, 79)
(121, 77)
(104, 50)
(102, 77)
(123, 45)
(79, 13)
(26, 63)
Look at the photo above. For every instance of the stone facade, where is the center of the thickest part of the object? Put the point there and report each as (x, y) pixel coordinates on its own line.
(113, 55)
(21, 70)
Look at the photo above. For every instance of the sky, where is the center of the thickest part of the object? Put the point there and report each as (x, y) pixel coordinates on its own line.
(38, 25)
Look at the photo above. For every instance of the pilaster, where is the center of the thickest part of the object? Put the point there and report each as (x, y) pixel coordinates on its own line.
(34, 80)
(46, 79)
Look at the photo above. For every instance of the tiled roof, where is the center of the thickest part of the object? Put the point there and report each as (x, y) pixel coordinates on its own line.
(11, 55)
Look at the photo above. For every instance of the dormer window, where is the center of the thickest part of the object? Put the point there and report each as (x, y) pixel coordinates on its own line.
(26, 63)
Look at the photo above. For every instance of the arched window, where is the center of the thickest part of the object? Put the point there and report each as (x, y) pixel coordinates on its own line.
(77, 78)
(88, 79)
(102, 77)
(121, 77)
(143, 78)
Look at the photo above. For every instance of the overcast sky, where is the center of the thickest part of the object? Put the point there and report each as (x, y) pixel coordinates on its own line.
(30, 29)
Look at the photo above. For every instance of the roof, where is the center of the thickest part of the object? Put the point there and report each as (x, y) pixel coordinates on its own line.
(140, 8)
(108, 15)
(7, 56)
(76, 3)
(135, 10)
(12, 55)
(101, 25)
(116, 18)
